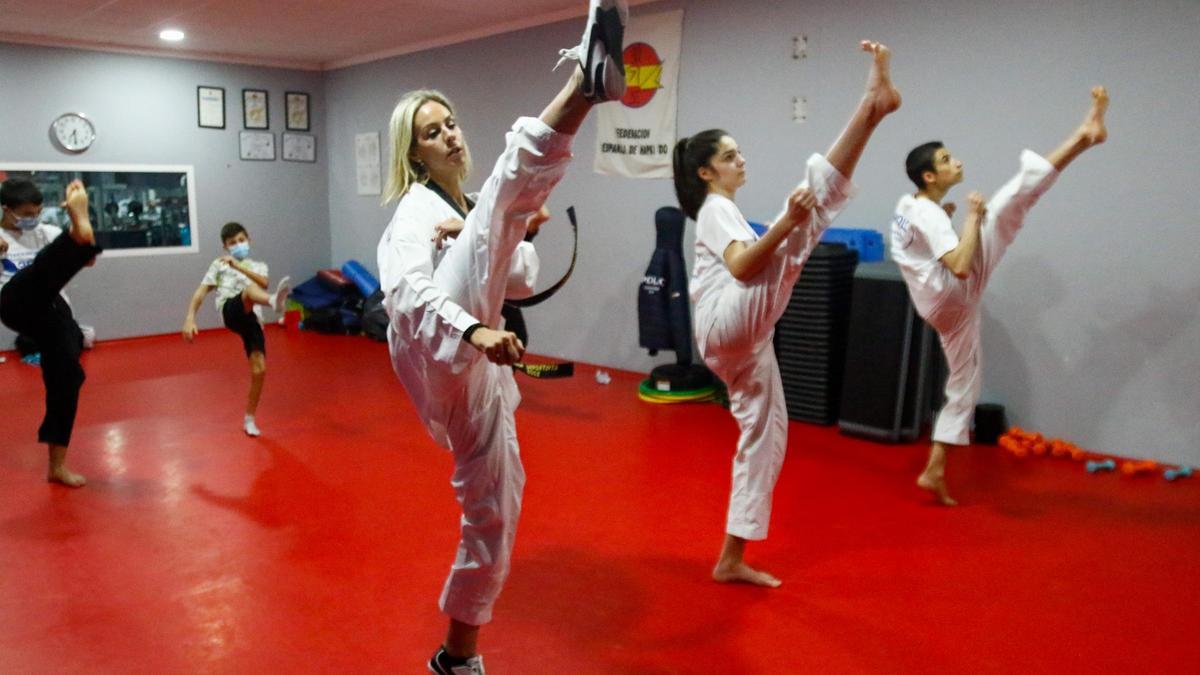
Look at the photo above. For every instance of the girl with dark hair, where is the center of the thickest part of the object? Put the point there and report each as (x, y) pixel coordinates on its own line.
(741, 283)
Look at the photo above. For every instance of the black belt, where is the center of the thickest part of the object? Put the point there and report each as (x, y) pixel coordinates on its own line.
(545, 295)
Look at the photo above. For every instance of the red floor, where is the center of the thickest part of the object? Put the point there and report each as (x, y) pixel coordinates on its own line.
(322, 546)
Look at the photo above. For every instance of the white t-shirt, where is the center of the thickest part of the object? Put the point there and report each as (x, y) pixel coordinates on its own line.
(23, 247)
(921, 235)
(230, 282)
(718, 224)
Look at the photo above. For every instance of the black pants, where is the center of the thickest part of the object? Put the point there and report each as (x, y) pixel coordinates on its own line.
(30, 304)
(26, 345)
(245, 324)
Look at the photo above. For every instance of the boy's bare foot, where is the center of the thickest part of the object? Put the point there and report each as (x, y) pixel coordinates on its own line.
(881, 94)
(936, 483)
(1093, 129)
(741, 573)
(65, 476)
(1090, 132)
(76, 204)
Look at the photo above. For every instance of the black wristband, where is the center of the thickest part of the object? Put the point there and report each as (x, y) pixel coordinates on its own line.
(471, 331)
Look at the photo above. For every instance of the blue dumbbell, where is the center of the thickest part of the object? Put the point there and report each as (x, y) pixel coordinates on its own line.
(1106, 465)
(1181, 472)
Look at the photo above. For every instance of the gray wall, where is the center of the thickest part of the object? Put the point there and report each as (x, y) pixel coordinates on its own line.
(144, 110)
(1091, 328)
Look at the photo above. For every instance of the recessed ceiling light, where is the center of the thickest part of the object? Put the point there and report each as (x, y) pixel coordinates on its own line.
(171, 35)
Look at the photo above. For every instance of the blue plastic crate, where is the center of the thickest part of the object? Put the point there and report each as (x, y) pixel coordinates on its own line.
(868, 243)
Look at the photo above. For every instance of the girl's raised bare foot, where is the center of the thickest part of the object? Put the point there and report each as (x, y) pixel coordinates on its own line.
(883, 97)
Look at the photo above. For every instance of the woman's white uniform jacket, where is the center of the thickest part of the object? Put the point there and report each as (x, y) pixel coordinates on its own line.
(426, 325)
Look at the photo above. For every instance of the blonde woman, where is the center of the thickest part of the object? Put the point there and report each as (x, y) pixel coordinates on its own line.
(446, 263)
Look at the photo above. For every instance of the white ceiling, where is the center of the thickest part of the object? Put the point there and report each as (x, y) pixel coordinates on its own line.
(305, 34)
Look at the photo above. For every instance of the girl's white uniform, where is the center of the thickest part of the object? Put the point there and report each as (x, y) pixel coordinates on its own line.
(465, 401)
(735, 324)
(921, 235)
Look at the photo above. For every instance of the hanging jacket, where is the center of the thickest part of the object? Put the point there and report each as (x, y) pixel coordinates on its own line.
(664, 317)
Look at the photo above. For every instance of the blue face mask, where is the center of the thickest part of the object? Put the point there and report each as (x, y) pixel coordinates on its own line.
(240, 251)
(22, 223)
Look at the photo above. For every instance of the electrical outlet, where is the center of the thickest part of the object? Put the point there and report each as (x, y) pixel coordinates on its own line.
(800, 47)
(799, 109)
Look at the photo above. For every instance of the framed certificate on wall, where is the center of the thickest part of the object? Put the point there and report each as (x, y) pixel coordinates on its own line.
(256, 146)
(255, 113)
(299, 147)
(210, 107)
(297, 111)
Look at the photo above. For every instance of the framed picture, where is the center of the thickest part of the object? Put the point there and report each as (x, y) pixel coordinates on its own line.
(210, 107)
(366, 163)
(256, 146)
(255, 113)
(297, 111)
(299, 147)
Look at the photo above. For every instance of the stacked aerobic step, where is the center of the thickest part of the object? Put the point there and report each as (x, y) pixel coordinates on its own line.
(810, 338)
(680, 383)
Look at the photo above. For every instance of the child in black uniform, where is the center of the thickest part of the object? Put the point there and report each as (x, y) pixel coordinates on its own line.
(31, 304)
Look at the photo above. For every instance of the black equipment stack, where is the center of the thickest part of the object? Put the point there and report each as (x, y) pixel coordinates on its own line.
(810, 337)
(894, 366)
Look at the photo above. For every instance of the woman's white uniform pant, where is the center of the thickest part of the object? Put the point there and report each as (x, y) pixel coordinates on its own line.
(736, 343)
(956, 317)
(488, 477)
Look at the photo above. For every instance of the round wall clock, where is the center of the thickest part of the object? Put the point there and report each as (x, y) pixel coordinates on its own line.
(73, 132)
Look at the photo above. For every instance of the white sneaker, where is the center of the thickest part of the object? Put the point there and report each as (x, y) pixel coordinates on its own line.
(280, 296)
(600, 52)
(437, 665)
(250, 427)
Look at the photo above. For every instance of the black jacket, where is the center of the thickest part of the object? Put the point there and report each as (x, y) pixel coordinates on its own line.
(664, 317)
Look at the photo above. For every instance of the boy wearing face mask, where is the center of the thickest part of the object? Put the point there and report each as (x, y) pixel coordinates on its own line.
(22, 235)
(32, 304)
(241, 285)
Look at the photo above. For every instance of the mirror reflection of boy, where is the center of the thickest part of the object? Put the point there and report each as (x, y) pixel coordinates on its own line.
(31, 303)
(241, 285)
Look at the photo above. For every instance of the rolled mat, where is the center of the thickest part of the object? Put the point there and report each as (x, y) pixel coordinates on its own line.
(356, 273)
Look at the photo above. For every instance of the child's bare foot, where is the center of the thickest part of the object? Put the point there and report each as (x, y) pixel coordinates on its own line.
(65, 476)
(741, 573)
(881, 94)
(76, 204)
(936, 483)
(1093, 129)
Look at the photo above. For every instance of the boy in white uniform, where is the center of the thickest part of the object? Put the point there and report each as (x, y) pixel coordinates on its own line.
(443, 301)
(947, 273)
